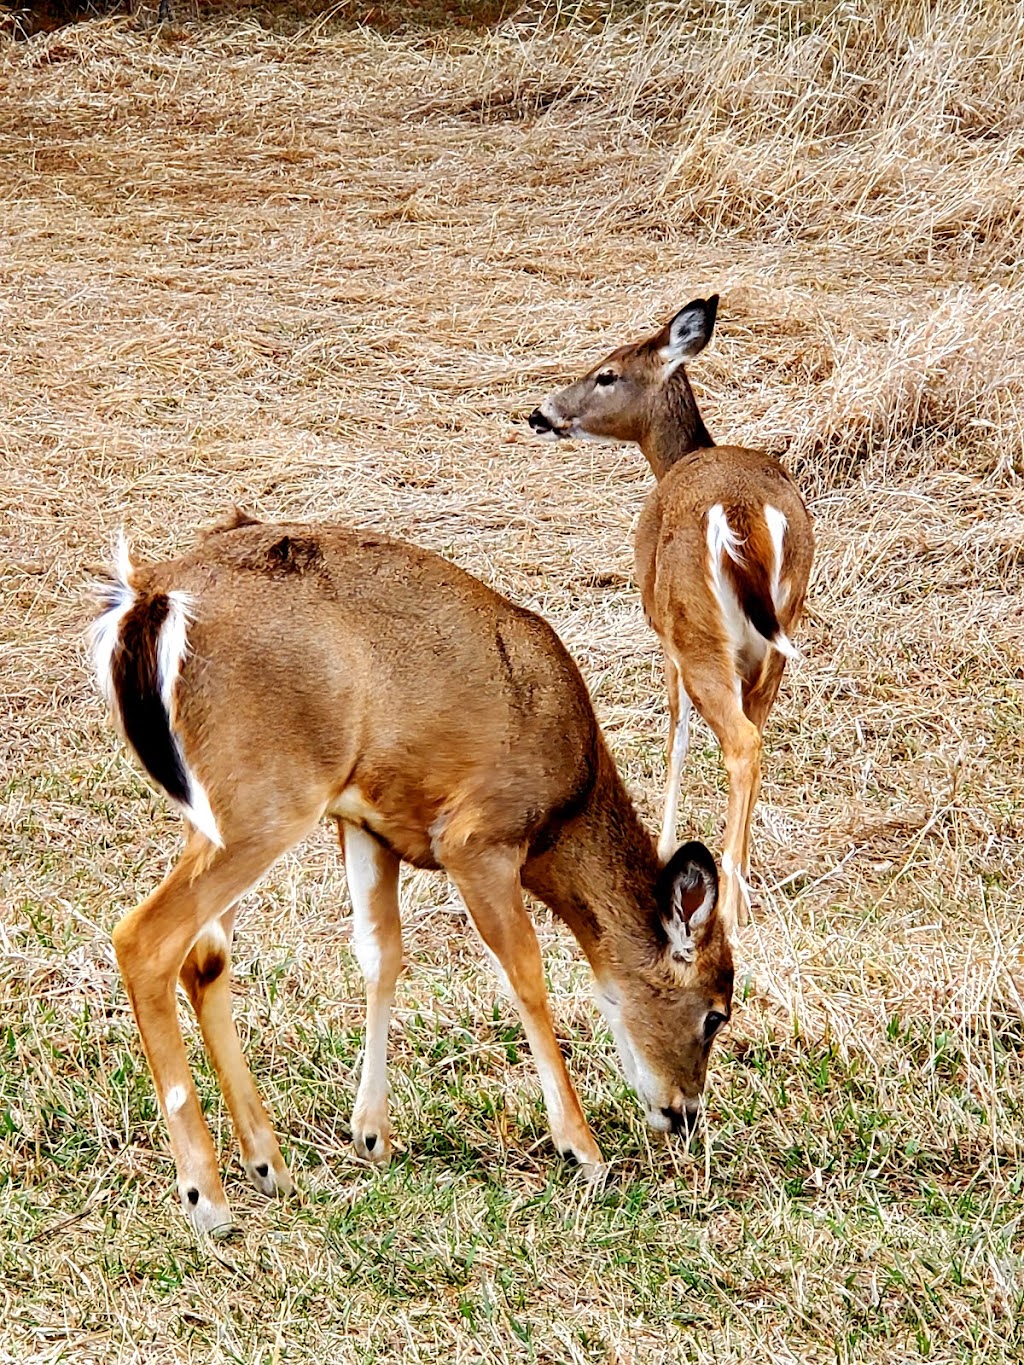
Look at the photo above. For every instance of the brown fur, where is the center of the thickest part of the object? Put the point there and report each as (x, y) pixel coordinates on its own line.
(339, 672)
(658, 411)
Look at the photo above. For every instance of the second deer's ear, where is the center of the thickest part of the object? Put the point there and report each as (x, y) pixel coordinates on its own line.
(687, 896)
(690, 330)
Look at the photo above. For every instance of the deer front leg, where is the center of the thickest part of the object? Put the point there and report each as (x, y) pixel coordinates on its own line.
(372, 872)
(489, 884)
(678, 741)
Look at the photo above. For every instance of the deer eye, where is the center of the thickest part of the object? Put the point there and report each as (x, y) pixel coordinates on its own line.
(605, 378)
(712, 1023)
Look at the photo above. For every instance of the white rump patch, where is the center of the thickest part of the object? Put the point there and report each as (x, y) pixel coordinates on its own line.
(171, 652)
(777, 526)
(199, 811)
(173, 645)
(785, 646)
(723, 540)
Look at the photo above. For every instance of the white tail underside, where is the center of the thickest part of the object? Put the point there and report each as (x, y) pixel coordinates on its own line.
(172, 649)
(722, 540)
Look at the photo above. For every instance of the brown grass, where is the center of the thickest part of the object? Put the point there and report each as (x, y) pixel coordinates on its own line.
(322, 270)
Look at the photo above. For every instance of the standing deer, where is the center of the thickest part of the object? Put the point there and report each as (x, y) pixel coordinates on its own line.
(723, 555)
(278, 674)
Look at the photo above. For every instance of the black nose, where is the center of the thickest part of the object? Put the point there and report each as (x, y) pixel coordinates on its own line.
(538, 421)
(682, 1120)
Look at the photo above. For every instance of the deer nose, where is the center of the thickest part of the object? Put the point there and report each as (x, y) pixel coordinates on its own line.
(538, 421)
(682, 1120)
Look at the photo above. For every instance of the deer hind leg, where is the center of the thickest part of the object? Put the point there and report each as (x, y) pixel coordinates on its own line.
(678, 741)
(152, 943)
(372, 872)
(490, 886)
(758, 700)
(717, 699)
(206, 977)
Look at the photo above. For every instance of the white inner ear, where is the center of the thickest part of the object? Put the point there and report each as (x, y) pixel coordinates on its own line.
(702, 913)
(686, 337)
(680, 930)
(680, 941)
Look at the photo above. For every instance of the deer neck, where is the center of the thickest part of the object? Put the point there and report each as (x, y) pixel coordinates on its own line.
(599, 875)
(675, 427)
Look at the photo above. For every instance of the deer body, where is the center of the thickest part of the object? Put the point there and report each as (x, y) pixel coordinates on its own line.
(723, 554)
(278, 674)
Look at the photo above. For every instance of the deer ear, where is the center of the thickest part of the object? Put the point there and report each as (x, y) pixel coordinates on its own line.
(687, 896)
(690, 330)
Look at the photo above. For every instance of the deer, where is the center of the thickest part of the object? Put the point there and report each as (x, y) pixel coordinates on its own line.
(278, 674)
(723, 552)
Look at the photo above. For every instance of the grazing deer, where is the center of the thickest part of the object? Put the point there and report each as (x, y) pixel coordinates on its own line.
(277, 674)
(723, 554)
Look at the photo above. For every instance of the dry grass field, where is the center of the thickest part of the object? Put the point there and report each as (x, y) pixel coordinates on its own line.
(322, 267)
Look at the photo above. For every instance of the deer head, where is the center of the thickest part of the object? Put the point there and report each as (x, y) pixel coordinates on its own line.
(625, 396)
(666, 1007)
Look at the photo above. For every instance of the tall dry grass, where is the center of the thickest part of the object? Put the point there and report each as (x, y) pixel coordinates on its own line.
(322, 268)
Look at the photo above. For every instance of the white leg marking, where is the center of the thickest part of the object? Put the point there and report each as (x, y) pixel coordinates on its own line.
(735, 875)
(744, 886)
(174, 1099)
(499, 970)
(362, 868)
(212, 937)
(552, 1095)
(680, 743)
(363, 858)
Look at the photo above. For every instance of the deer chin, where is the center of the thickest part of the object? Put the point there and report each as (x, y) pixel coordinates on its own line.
(635, 1071)
(578, 433)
